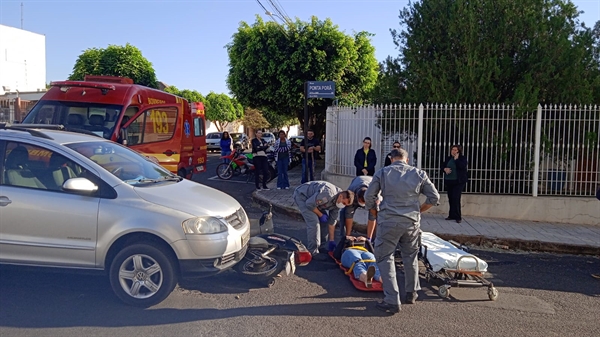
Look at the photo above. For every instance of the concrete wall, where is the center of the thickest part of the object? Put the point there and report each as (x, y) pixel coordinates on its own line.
(22, 60)
(573, 210)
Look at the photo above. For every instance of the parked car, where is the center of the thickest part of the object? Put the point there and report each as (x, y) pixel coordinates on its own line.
(296, 141)
(76, 201)
(268, 137)
(213, 141)
(241, 140)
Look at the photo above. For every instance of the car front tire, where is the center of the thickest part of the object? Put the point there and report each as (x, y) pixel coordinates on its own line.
(142, 275)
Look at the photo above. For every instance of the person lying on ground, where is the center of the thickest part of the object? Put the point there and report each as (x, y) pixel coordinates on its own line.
(355, 254)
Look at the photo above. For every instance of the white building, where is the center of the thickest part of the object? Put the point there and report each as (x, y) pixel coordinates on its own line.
(22, 61)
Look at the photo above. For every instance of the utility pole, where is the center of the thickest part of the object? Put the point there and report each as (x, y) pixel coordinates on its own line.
(21, 15)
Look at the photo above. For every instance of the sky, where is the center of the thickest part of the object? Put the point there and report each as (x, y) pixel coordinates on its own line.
(185, 39)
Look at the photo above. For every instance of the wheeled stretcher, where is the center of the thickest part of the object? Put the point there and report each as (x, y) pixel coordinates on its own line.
(448, 264)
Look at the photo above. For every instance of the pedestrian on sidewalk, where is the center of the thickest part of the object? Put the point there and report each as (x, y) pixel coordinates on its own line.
(311, 145)
(283, 157)
(388, 158)
(455, 179)
(259, 157)
(319, 203)
(225, 145)
(365, 159)
(359, 186)
(399, 222)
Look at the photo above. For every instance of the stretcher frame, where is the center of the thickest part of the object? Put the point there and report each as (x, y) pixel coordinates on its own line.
(459, 277)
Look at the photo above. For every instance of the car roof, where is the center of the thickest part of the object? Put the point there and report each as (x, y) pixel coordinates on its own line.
(56, 136)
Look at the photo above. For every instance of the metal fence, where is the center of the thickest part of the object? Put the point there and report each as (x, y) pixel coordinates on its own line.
(551, 150)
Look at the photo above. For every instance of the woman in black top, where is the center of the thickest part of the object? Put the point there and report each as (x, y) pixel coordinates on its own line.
(455, 179)
(365, 159)
(259, 146)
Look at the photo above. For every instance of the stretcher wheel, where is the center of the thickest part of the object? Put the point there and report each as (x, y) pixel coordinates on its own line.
(444, 291)
(492, 293)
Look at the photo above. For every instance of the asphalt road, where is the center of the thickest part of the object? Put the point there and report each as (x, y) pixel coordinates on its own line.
(540, 295)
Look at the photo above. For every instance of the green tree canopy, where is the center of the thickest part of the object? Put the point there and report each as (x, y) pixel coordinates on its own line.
(279, 120)
(389, 88)
(124, 61)
(269, 63)
(189, 95)
(497, 51)
(222, 110)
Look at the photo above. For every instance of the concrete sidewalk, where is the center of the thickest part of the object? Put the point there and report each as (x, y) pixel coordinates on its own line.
(503, 233)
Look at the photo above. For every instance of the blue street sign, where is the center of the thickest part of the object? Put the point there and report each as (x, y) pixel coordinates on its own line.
(324, 89)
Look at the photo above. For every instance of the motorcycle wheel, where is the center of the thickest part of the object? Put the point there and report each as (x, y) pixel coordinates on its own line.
(259, 269)
(224, 171)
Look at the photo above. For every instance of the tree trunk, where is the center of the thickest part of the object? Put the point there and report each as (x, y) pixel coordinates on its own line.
(316, 122)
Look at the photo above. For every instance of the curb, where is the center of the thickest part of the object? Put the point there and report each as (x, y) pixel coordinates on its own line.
(289, 211)
(477, 240)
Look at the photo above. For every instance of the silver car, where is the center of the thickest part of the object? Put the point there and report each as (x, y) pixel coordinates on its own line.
(82, 202)
(268, 137)
(213, 141)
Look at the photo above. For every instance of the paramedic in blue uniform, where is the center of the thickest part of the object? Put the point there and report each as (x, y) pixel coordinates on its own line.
(319, 203)
(359, 186)
(398, 221)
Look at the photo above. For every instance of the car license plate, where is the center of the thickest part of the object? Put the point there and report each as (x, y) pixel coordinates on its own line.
(245, 238)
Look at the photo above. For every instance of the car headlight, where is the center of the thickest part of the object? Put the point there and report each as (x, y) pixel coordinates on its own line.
(203, 225)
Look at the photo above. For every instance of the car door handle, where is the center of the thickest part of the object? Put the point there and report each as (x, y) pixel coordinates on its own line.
(4, 201)
(169, 152)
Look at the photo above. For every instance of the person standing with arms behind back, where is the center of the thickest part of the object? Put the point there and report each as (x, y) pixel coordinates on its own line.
(310, 145)
(398, 221)
(282, 148)
(365, 159)
(455, 179)
(259, 146)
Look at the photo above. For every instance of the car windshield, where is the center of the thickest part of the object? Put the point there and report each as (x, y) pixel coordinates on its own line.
(96, 118)
(213, 136)
(236, 136)
(127, 165)
(268, 135)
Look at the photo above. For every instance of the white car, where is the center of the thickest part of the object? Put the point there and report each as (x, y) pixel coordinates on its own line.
(77, 201)
(213, 141)
(268, 137)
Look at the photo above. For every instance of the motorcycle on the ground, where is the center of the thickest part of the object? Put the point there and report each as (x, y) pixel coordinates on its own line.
(270, 254)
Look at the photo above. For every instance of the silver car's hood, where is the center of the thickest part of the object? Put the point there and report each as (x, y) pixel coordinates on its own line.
(190, 197)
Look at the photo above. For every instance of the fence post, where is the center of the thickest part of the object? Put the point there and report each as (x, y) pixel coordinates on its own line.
(420, 136)
(536, 158)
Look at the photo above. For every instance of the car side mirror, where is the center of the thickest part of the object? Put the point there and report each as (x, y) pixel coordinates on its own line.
(80, 185)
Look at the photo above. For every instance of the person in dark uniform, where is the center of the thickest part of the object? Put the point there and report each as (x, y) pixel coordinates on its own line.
(319, 203)
(398, 222)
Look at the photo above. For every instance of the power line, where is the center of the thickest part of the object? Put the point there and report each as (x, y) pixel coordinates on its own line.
(286, 14)
(261, 5)
(280, 11)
